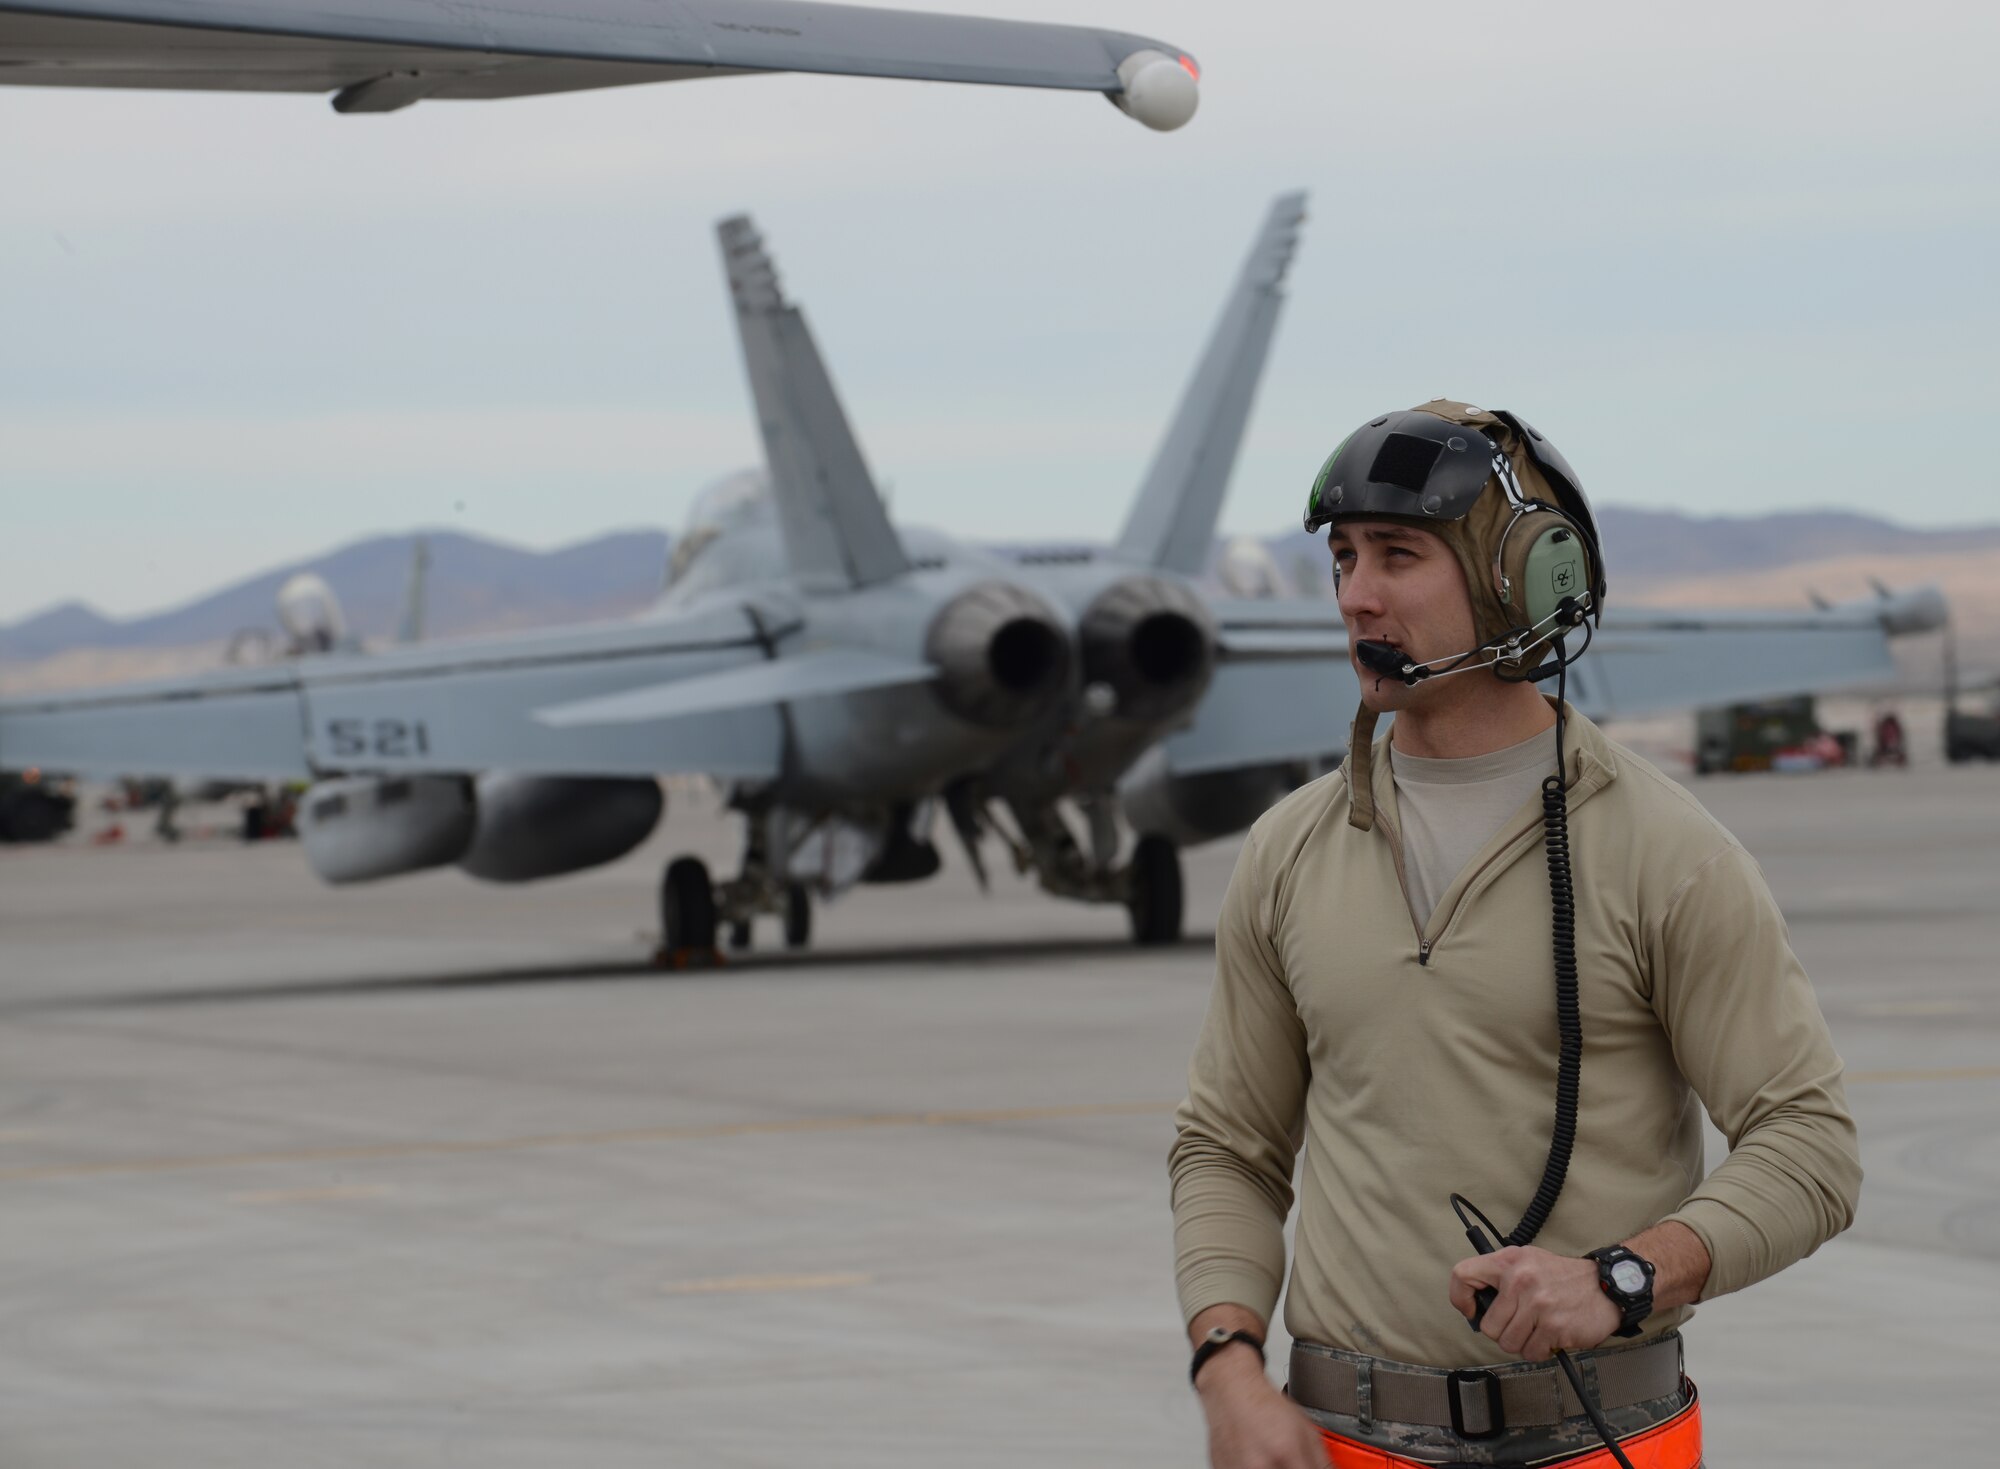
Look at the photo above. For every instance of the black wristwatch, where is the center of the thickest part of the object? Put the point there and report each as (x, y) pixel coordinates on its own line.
(1628, 1280)
(1218, 1338)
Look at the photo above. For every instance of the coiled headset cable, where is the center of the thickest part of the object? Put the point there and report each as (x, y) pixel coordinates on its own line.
(1569, 1066)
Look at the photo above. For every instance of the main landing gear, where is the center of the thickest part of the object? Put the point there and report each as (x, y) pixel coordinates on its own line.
(797, 916)
(687, 914)
(694, 909)
(696, 912)
(1148, 885)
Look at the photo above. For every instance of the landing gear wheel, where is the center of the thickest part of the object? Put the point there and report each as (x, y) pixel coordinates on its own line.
(798, 916)
(1154, 892)
(739, 935)
(687, 911)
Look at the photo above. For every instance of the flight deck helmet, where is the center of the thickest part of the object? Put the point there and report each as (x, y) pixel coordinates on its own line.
(1494, 489)
(1512, 511)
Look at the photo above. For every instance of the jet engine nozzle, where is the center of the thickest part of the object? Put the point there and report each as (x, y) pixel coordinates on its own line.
(1161, 91)
(1001, 655)
(1153, 642)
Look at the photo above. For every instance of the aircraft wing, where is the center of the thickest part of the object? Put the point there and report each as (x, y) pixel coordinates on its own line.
(1648, 660)
(1284, 690)
(444, 707)
(380, 55)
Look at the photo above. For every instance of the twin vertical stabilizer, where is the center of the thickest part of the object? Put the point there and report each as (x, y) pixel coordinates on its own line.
(836, 532)
(1173, 520)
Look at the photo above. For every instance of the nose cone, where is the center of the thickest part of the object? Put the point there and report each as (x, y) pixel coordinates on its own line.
(1153, 643)
(1001, 655)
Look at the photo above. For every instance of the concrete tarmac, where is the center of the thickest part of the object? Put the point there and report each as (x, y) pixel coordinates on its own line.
(433, 1173)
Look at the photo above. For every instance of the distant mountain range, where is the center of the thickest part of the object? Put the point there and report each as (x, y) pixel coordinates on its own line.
(480, 586)
(473, 586)
(1645, 549)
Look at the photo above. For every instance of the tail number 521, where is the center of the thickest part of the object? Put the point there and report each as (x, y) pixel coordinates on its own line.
(389, 739)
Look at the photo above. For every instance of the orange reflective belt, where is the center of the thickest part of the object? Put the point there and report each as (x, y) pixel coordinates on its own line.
(1674, 1444)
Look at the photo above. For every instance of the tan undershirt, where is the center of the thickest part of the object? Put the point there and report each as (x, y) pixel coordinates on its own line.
(1453, 808)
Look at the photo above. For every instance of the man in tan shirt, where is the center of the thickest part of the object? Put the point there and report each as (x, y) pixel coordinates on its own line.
(1386, 1001)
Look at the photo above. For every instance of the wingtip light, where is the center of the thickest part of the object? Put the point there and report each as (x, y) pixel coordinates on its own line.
(1159, 90)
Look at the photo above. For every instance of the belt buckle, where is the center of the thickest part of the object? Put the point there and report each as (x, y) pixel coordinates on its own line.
(1496, 1418)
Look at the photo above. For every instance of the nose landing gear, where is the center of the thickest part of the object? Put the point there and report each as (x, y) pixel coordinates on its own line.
(694, 909)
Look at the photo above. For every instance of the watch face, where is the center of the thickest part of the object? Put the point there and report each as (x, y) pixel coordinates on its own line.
(1629, 1276)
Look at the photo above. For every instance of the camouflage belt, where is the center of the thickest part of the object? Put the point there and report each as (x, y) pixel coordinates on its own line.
(1527, 1404)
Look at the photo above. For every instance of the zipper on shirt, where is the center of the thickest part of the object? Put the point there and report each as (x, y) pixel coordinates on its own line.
(1396, 854)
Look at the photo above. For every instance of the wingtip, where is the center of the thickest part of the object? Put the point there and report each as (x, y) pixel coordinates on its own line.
(1159, 87)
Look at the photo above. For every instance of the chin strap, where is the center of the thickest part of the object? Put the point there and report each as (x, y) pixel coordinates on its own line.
(1361, 771)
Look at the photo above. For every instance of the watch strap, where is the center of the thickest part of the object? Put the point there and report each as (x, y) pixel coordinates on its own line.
(1215, 1342)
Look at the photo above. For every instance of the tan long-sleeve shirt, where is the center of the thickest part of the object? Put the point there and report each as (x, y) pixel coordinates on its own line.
(1413, 1062)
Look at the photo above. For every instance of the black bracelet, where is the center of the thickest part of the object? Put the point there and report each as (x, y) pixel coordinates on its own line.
(1214, 1342)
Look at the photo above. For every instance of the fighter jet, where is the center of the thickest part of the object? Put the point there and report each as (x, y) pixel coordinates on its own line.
(383, 55)
(838, 677)
(1185, 715)
(843, 678)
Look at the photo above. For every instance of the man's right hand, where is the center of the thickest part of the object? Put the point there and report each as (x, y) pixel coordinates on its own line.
(1251, 1425)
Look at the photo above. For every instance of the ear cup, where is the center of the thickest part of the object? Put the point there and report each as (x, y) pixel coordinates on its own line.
(1542, 560)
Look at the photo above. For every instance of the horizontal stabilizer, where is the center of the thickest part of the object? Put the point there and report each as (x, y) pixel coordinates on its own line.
(836, 532)
(1173, 518)
(808, 676)
(1265, 712)
(1278, 628)
(1283, 690)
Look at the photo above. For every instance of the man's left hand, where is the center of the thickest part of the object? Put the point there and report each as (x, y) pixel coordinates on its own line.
(1543, 1301)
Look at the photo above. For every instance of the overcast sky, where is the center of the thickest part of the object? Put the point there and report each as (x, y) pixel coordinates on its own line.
(1731, 257)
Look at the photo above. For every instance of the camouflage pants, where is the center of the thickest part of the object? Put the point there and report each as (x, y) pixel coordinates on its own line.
(1512, 1448)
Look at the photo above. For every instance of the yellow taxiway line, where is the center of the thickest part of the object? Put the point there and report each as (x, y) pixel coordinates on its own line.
(614, 1137)
(759, 1285)
(444, 1148)
(330, 1193)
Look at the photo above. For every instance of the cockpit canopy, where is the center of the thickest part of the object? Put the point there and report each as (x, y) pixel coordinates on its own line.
(734, 501)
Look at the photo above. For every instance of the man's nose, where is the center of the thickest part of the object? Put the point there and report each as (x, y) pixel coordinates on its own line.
(1357, 593)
